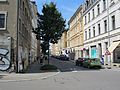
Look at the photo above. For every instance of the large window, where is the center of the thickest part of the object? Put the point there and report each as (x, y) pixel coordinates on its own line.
(20, 25)
(98, 9)
(105, 25)
(113, 22)
(89, 33)
(88, 17)
(85, 35)
(93, 31)
(99, 29)
(93, 13)
(85, 20)
(104, 4)
(2, 20)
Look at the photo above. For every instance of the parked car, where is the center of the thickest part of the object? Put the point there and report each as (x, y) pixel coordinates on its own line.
(79, 61)
(63, 57)
(92, 62)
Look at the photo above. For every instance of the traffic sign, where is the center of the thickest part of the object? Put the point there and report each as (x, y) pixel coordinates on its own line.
(107, 52)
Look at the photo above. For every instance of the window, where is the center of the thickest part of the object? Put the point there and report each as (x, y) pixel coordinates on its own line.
(93, 31)
(88, 17)
(89, 33)
(23, 6)
(112, 2)
(20, 2)
(93, 13)
(106, 45)
(99, 31)
(3, 0)
(105, 25)
(2, 20)
(104, 4)
(85, 20)
(98, 9)
(113, 22)
(19, 24)
(26, 12)
(85, 35)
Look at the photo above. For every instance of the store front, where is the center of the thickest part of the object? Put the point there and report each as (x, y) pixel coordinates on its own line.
(114, 49)
(93, 52)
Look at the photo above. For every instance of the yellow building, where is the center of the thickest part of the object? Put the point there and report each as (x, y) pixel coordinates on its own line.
(54, 49)
(61, 46)
(63, 43)
(75, 35)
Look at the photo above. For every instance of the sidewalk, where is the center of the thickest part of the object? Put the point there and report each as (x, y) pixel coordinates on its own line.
(25, 77)
(34, 68)
(33, 73)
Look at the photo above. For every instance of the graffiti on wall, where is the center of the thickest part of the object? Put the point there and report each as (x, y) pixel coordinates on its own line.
(4, 61)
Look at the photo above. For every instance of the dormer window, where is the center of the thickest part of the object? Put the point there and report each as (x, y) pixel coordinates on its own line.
(112, 2)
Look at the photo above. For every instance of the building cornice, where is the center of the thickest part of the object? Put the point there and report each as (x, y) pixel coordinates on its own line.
(74, 15)
(90, 7)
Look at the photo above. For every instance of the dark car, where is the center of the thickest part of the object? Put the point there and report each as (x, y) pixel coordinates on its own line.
(63, 57)
(79, 61)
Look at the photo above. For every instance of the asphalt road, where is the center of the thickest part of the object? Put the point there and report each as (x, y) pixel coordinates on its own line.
(70, 77)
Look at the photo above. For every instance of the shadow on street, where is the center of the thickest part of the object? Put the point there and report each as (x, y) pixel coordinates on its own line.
(63, 66)
(68, 66)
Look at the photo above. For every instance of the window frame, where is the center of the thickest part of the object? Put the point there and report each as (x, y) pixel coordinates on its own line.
(113, 22)
(105, 26)
(104, 5)
(5, 21)
(94, 32)
(98, 9)
(99, 29)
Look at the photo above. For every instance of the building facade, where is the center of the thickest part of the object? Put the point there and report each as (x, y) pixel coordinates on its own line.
(55, 49)
(75, 35)
(15, 32)
(63, 43)
(35, 44)
(102, 30)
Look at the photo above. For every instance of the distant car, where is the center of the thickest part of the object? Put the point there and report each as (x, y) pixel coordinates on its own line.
(79, 61)
(63, 57)
(92, 62)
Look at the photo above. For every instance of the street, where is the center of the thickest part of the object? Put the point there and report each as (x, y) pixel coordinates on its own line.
(70, 77)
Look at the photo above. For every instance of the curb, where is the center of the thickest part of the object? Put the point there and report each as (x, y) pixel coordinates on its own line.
(41, 78)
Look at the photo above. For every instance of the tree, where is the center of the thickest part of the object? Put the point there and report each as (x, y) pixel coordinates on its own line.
(50, 26)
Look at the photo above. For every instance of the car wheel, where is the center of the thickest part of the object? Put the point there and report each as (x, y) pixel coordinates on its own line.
(88, 66)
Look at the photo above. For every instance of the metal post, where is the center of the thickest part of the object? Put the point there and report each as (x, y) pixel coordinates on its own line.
(108, 29)
(17, 37)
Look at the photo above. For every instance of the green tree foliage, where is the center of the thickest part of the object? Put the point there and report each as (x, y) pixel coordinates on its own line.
(50, 26)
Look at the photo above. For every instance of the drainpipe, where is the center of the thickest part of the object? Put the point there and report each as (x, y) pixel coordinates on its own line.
(17, 42)
(108, 30)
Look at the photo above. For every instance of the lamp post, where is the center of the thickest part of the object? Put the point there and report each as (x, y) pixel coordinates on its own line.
(17, 34)
(109, 61)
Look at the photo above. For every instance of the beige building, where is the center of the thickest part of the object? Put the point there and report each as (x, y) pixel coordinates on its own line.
(54, 49)
(75, 35)
(61, 46)
(35, 44)
(63, 43)
(15, 32)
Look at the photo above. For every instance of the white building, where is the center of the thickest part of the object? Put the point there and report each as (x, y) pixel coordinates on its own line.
(102, 30)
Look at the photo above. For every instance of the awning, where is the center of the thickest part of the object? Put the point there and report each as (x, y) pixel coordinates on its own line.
(113, 46)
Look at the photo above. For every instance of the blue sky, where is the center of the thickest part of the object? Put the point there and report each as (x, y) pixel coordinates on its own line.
(66, 7)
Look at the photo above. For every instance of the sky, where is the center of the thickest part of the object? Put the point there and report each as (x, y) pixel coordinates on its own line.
(66, 7)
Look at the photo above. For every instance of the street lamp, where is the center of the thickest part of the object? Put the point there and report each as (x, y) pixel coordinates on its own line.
(108, 30)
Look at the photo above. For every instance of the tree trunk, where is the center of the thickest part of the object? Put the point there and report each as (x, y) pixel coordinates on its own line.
(48, 52)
